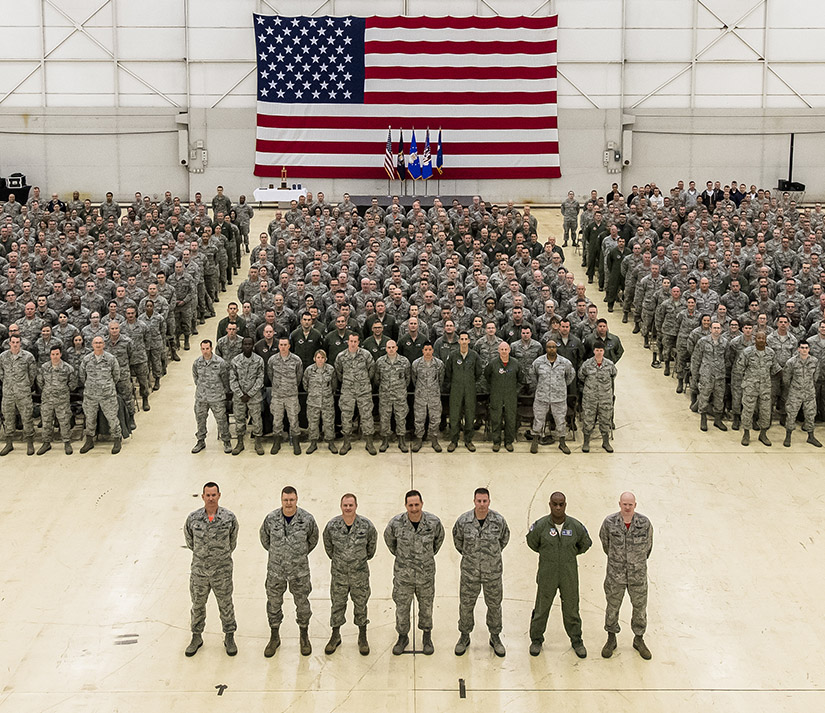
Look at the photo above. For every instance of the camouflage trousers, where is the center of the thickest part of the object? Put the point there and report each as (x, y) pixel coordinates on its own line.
(106, 404)
(347, 404)
(212, 284)
(183, 319)
(682, 360)
(752, 395)
(389, 404)
(545, 594)
(218, 408)
(736, 394)
(668, 346)
(354, 585)
(299, 588)
(469, 589)
(219, 582)
(402, 595)
(614, 593)
(155, 361)
(792, 405)
(12, 405)
(559, 411)
(427, 403)
(569, 228)
(597, 411)
(245, 411)
(711, 395)
(315, 414)
(289, 405)
(141, 373)
(51, 407)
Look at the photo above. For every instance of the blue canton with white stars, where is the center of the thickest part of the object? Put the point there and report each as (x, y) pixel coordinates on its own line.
(310, 60)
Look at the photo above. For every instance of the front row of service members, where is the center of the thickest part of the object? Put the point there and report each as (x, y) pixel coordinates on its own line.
(414, 537)
(243, 380)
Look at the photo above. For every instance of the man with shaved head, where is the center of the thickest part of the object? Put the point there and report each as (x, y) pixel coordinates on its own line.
(559, 539)
(627, 540)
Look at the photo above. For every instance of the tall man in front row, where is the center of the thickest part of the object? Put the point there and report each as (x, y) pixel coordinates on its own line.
(211, 376)
(414, 538)
(211, 533)
(99, 374)
(559, 539)
(479, 536)
(349, 540)
(288, 534)
(627, 540)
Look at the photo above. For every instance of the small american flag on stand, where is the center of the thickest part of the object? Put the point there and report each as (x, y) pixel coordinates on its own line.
(389, 159)
(329, 86)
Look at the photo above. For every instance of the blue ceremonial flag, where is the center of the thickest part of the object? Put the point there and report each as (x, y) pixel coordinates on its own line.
(414, 165)
(439, 157)
(427, 163)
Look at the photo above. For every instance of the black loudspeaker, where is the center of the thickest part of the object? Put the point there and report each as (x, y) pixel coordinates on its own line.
(785, 185)
(15, 181)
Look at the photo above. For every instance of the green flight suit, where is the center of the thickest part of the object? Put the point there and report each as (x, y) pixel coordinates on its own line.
(461, 374)
(505, 382)
(558, 549)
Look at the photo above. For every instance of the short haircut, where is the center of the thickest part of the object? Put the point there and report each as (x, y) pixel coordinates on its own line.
(211, 484)
(412, 494)
(481, 491)
(206, 341)
(349, 495)
(289, 490)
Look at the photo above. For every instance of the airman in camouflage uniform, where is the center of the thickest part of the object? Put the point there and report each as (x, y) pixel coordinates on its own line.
(427, 378)
(800, 376)
(350, 541)
(139, 364)
(285, 372)
(414, 538)
(185, 300)
(288, 534)
(246, 379)
(211, 376)
(479, 536)
(211, 533)
(100, 374)
(758, 365)
(686, 321)
(597, 375)
(320, 382)
(735, 347)
(18, 371)
(355, 370)
(56, 380)
(155, 340)
(392, 372)
(551, 376)
(627, 540)
(570, 213)
(122, 349)
(708, 374)
(666, 325)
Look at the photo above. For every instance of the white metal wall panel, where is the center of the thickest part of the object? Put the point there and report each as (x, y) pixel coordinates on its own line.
(155, 43)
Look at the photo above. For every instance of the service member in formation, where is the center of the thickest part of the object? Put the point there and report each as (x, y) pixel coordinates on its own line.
(288, 534)
(211, 533)
(559, 539)
(479, 536)
(627, 540)
(349, 540)
(414, 538)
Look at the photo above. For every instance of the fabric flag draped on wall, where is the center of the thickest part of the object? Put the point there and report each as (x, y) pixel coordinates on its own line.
(328, 87)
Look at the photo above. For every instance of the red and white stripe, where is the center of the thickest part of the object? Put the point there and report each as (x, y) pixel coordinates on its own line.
(488, 82)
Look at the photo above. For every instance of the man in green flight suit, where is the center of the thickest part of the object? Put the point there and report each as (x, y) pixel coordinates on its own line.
(463, 370)
(559, 539)
(503, 374)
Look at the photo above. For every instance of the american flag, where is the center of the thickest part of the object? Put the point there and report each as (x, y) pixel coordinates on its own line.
(328, 87)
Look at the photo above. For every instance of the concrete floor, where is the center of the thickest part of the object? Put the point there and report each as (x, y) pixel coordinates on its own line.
(94, 600)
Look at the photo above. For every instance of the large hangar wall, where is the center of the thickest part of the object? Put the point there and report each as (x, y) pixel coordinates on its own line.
(100, 95)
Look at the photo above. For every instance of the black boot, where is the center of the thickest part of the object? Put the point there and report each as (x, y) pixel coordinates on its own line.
(385, 443)
(667, 367)
(637, 328)
(45, 448)
(274, 643)
(402, 445)
(703, 422)
(680, 386)
(763, 437)
(276, 446)
(746, 437)
(812, 440)
(296, 445)
(238, 447)
(737, 421)
(787, 441)
(116, 446)
(719, 423)
(345, 446)
(585, 442)
(306, 647)
(606, 444)
(332, 447)
(313, 446)
(363, 644)
(334, 641)
(370, 446)
(609, 646)
(85, 448)
(259, 445)
(563, 447)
